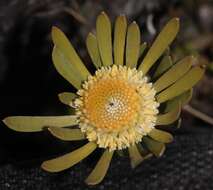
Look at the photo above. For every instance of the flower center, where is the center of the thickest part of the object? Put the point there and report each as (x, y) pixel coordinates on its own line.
(111, 104)
(116, 107)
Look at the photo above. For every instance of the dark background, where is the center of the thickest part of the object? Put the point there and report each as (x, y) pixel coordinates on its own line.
(29, 85)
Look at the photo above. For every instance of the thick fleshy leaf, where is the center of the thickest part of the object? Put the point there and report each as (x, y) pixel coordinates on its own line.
(92, 48)
(68, 160)
(157, 148)
(100, 170)
(184, 98)
(173, 74)
(67, 97)
(163, 40)
(69, 53)
(66, 69)
(103, 30)
(132, 45)
(135, 156)
(143, 46)
(169, 117)
(34, 124)
(67, 134)
(119, 39)
(161, 136)
(164, 65)
(182, 85)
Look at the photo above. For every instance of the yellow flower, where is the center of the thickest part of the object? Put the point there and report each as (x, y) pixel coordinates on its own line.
(124, 103)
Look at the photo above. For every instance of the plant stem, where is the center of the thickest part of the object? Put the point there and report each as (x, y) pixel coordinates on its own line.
(198, 114)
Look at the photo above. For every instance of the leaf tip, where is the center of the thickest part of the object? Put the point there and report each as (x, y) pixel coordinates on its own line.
(7, 121)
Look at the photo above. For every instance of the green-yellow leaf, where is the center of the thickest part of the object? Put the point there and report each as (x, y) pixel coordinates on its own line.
(68, 160)
(67, 134)
(92, 48)
(157, 148)
(184, 98)
(103, 30)
(67, 97)
(169, 117)
(66, 48)
(132, 45)
(163, 40)
(164, 65)
(119, 39)
(65, 68)
(34, 124)
(182, 85)
(161, 136)
(100, 170)
(173, 74)
(135, 156)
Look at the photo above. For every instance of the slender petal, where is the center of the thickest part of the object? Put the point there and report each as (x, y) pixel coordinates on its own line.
(161, 136)
(164, 65)
(169, 117)
(119, 39)
(68, 160)
(143, 47)
(157, 148)
(103, 29)
(92, 48)
(66, 48)
(67, 134)
(66, 69)
(67, 97)
(182, 85)
(144, 152)
(100, 170)
(184, 98)
(34, 124)
(163, 40)
(132, 45)
(135, 156)
(173, 74)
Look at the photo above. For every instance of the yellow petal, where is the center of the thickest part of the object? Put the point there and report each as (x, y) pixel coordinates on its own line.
(157, 148)
(67, 97)
(34, 124)
(100, 170)
(182, 85)
(66, 48)
(173, 74)
(132, 45)
(161, 136)
(68, 160)
(65, 68)
(135, 156)
(119, 39)
(92, 48)
(170, 117)
(67, 134)
(163, 40)
(103, 29)
(164, 65)
(184, 98)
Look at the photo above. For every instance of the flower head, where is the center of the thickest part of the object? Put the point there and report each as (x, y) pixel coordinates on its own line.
(122, 105)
